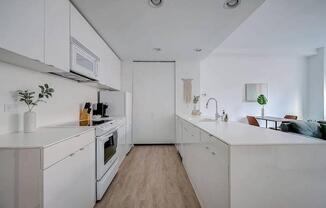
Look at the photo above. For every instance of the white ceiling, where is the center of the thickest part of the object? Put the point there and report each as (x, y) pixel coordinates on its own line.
(283, 27)
(133, 28)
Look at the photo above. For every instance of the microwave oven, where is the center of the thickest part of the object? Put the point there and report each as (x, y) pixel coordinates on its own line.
(83, 61)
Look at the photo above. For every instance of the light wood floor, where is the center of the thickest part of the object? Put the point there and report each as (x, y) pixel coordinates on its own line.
(150, 177)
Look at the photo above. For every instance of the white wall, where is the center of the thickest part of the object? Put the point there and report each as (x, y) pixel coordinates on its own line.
(126, 76)
(315, 90)
(183, 70)
(186, 70)
(63, 107)
(316, 86)
(224, 77)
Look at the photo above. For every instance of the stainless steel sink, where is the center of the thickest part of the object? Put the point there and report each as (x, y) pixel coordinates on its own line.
(207, 120)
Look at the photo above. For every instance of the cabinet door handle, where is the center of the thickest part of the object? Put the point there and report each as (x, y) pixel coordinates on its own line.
(207, 148)
(213, 153)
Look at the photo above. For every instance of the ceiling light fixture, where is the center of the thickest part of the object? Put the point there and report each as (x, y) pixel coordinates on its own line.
(198, 49)
(231, 4)
(155, 3)
(157, 49)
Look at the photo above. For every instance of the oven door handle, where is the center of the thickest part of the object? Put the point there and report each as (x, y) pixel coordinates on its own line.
(105, 137)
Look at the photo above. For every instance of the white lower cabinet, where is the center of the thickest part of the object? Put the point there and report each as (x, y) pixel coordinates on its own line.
(179, 128)
(213, 178)
(190, 149)
(71, 181)
(61, 175)
(206, 161)
(122, 144)
(249, 175)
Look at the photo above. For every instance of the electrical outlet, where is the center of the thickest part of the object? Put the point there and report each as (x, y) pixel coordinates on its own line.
(10, 108)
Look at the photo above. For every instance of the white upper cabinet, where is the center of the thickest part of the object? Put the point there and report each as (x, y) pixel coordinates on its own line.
(104, 65)
(84, 33)
(109, 68)
(36, 34)
(115, 72)
(22, 27)
(57, 34)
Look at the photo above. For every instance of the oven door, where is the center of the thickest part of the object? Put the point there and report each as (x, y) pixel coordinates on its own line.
(106, 152)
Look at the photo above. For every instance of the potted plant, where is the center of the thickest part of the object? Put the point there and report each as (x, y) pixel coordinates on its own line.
(28, 97)
(262, 100)
(195, 101)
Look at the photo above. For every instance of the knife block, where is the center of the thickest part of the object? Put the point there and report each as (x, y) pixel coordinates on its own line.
(84, 118)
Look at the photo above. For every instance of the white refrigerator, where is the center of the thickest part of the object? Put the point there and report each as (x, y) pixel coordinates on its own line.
(120, 105)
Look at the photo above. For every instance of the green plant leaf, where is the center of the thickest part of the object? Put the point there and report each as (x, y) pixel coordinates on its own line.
(262, 100)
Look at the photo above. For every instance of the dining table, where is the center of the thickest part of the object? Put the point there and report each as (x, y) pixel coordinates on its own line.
(275, 120)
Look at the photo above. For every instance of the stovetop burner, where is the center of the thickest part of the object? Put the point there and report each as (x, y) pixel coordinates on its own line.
(93, 122)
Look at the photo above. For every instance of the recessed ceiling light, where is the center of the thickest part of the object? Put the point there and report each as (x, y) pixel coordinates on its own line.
(155, 3)
(157, 49)
(231, 4)
(198, 49)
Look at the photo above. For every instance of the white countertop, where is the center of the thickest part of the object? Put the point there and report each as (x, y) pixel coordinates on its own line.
(41, 138)
(46, 136)
(236, 133)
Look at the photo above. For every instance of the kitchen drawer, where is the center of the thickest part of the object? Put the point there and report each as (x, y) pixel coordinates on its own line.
(192, 133)
(204, 136)
(218, 148)
(63, 149)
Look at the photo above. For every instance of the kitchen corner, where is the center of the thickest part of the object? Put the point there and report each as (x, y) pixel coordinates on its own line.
(45, 162)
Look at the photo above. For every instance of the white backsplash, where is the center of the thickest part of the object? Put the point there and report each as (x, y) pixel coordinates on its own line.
(63, 107)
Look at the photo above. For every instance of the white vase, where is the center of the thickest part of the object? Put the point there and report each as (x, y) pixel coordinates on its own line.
(195, 107)
(262, 112)
(29, 121)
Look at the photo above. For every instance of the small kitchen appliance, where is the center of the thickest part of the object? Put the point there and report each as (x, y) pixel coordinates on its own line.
(100, 109)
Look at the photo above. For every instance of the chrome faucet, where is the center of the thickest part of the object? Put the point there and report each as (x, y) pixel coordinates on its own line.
(217, 116)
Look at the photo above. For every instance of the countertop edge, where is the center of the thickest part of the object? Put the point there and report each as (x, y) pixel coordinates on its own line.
(193, 122)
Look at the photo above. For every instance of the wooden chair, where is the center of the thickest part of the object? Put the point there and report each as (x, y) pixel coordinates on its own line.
(252, 121)
(293, 117)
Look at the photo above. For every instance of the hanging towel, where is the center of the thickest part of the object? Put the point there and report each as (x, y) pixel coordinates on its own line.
(187, 90)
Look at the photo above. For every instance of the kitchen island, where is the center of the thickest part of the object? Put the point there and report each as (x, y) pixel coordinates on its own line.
(234, 165)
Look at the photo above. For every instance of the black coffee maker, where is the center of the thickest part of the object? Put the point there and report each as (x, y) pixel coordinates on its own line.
(100, 109)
